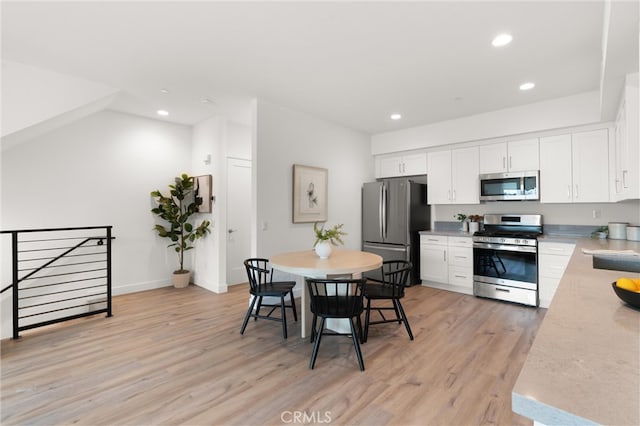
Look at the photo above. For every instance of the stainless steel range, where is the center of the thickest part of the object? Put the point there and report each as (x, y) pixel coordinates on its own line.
(505, 258)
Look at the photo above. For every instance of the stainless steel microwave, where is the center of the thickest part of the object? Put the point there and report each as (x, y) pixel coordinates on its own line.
(510, 186)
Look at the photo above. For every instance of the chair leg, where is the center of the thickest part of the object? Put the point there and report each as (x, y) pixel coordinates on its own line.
(246, 317)
(258, 308)
(316, 345)
(293, 306)
(360, 331)
(404, 319)
(356, 345)
(366, 321)
(395, 308)
(313, 328)
(284, 317)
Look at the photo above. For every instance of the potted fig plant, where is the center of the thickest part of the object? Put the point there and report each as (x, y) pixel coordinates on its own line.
(325, 238)
(176, 209)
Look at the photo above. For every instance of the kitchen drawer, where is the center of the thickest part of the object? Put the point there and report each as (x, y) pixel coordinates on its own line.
(559, 249)
(461, 256)
(460, 241)
(462, 277)
(552, 266)
(440, 240)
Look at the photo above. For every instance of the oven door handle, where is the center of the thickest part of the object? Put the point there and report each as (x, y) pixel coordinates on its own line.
(505, 247)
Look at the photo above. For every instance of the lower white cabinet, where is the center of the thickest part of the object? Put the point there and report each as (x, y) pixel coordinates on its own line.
(433, 258)
(553, 259)
(447, 262)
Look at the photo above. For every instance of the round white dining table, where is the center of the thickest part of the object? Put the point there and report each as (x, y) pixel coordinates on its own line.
(341, 262)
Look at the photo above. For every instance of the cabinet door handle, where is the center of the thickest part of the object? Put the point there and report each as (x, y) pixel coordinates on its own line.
(510, 163)
(399, 167)
(444, 255)
(454, 195)
(460, 276)
(576, 191)
(404, 168)
(569, 191)
(624, 178)
(504, 162)
(449, 195)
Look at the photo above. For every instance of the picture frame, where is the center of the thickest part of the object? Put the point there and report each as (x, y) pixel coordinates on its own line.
(310, 186)
(203, 193)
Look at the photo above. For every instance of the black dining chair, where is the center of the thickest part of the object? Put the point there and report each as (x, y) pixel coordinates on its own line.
(261, 285)
(336, 298)
(394, 278)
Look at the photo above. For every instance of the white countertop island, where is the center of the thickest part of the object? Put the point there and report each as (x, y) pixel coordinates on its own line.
(584, 365)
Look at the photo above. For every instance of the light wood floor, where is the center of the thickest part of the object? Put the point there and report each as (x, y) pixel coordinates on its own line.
(175, 356)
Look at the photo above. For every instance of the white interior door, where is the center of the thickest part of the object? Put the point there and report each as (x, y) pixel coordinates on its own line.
(238, 219)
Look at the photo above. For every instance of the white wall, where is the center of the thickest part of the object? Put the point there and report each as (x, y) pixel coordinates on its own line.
(98, 171)
(209, 267)
(285, 137)
(554, 114)
(32, 95)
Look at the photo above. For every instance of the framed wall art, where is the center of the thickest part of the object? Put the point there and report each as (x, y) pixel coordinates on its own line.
(309, 194)
(203, 193)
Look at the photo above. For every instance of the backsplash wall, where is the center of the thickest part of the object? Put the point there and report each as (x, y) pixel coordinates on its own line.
(556, 214)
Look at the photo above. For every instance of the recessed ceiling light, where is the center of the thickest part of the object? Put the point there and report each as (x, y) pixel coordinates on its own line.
(527, 86)
(396, 116)
(206, 101)
(502, 40)
(165, 91)
(162, 112)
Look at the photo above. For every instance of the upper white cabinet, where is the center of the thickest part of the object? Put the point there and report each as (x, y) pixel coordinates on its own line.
(575, 167)
(401, 165)
(453, 176)
(627, 145)
(512, 156)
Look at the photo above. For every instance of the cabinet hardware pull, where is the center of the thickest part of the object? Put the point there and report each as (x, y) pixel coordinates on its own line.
(504, 162)
(576, 190)
(502, 289)
(568, 191)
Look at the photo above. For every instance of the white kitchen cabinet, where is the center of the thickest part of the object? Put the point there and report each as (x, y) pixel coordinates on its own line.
(575, 167)
(453, 176)
(447, 262)
(401, 165)
(627, 144)
(553, 259)
(512, 156)
(460, 254)
(433, 258)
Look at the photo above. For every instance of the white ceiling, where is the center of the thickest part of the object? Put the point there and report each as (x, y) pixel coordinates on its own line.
(350, 62)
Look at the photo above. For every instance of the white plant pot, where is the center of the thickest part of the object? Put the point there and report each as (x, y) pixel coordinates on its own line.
(323, 249)
(474, 227)
(181, 280)
(465, 226)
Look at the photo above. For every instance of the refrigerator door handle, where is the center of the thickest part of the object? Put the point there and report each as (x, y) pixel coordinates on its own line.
(384, 212)
(380, 212)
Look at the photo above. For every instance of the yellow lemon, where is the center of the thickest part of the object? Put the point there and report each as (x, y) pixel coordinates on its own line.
(627, 284)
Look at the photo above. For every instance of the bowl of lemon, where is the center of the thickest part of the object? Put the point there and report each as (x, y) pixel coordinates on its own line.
(628, 289)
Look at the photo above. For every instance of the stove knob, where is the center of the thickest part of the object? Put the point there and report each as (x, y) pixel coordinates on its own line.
(517, 241)
(502, 240)
(525, 242)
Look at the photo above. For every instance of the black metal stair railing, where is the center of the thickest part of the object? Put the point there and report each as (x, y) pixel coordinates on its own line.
(59, 274)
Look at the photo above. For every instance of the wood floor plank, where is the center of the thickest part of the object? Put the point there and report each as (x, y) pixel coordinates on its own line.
(176, 356)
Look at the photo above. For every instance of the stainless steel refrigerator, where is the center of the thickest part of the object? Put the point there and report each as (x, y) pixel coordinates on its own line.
(393, 212)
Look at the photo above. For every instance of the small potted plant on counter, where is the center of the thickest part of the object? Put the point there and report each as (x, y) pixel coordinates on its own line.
(325, 238)
(462, 218)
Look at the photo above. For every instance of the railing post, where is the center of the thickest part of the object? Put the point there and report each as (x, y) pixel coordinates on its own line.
(108, 271)
(14, 267)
